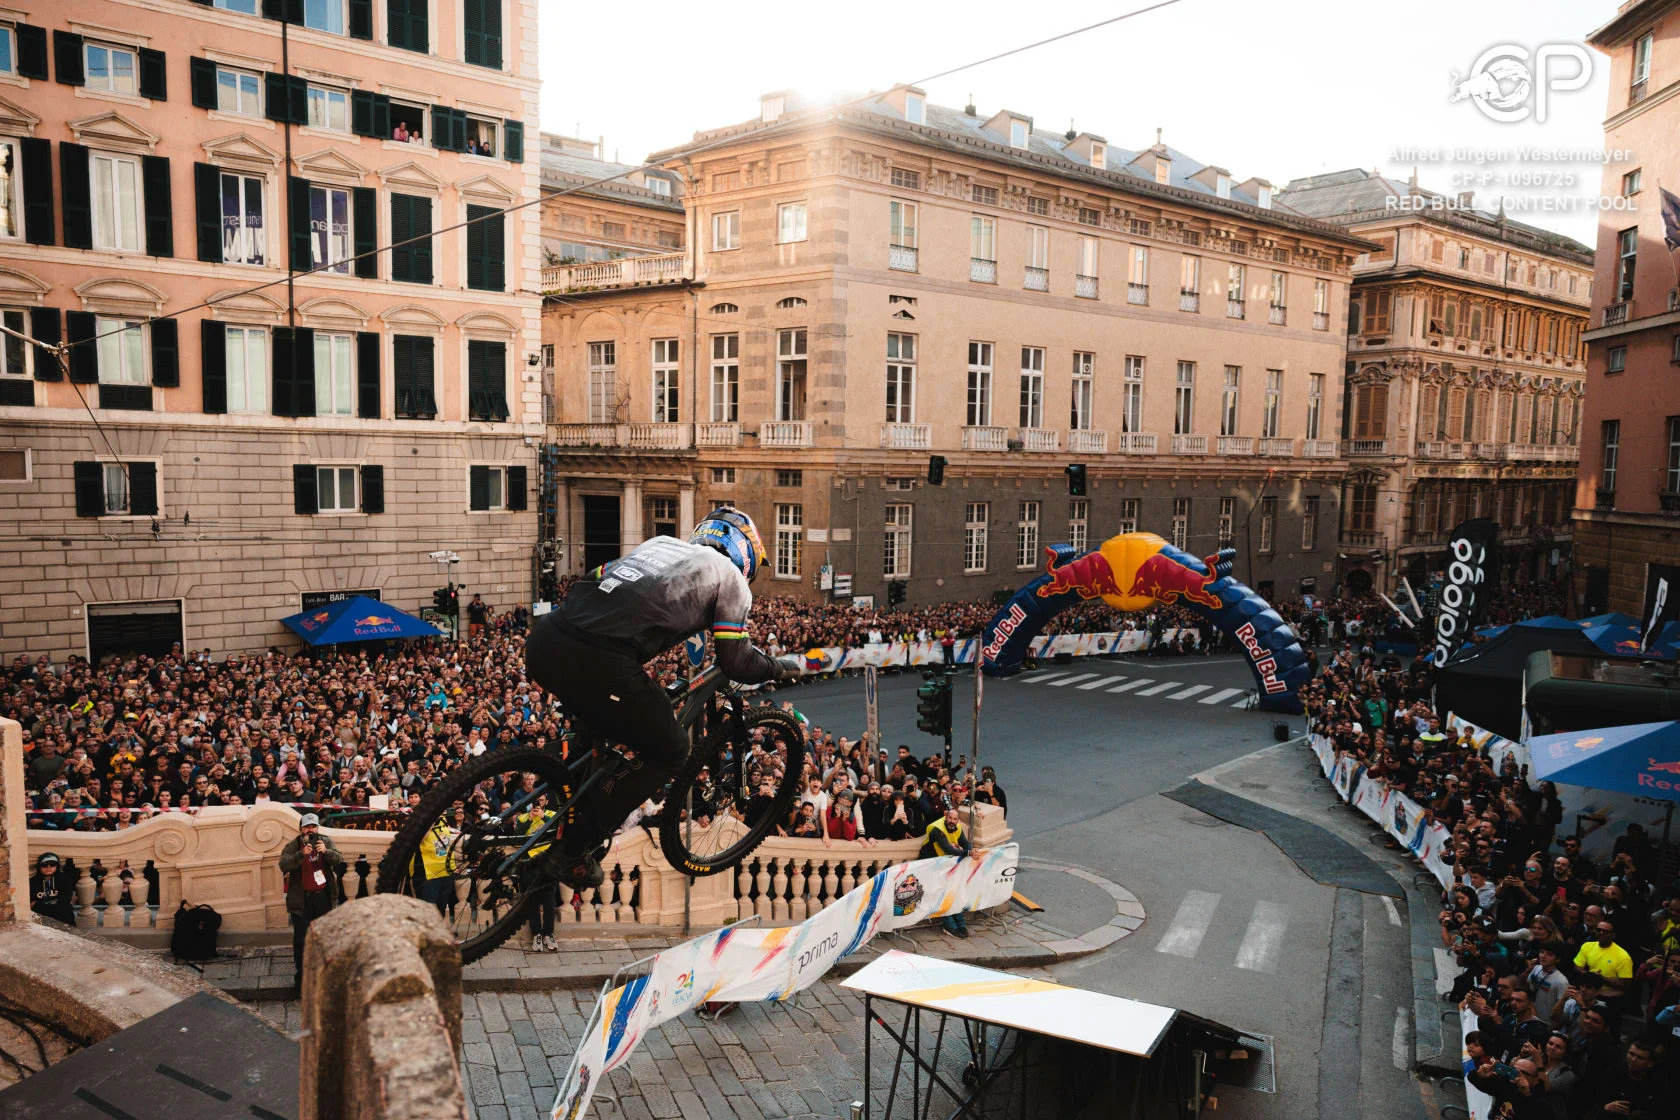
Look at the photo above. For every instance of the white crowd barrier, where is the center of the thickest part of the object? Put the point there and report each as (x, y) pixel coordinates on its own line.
(739, 964)
(888, 654)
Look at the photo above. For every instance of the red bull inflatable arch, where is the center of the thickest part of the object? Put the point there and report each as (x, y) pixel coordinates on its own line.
(1135, 571)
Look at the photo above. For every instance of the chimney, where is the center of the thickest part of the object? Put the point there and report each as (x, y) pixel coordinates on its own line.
(1070, 133)
(969, 109)
(1466, 200)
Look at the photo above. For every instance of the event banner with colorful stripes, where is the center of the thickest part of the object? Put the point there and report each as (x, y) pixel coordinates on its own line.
(743, 964)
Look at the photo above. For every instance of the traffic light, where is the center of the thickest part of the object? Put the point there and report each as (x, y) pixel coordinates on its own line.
(936, 470)
(933, 705)
(1076, 479)
(440, 600)
(895, 592)
(454, 607)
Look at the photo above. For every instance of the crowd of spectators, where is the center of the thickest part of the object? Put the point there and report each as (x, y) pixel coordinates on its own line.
(1569, 967)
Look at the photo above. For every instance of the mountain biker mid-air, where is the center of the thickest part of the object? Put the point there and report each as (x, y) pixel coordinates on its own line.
(589, 652)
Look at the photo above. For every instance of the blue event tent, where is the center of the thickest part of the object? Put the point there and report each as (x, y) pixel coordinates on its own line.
(1637, 758)
(357, 619)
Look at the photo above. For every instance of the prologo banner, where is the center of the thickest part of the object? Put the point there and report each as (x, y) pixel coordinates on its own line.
(1470, 568)
(742, 964)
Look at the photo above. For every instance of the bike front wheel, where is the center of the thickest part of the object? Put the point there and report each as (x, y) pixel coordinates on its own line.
(722, 842)
(482, 897)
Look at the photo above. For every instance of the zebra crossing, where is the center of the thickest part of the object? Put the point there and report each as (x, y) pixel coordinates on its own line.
(1262, 939)
(1142, 686)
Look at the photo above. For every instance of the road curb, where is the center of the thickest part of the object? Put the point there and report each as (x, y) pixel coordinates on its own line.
(1128, 913)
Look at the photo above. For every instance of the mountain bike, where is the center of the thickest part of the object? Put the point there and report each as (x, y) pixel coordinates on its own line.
(497, 860)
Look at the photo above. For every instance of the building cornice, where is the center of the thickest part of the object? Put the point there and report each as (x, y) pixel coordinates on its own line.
(1470, 287)
(1632, 17)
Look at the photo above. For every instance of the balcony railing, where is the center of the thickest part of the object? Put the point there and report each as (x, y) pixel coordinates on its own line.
(718, 433)
(1085, 287)
(1364, 538)
(785, 433)
(985, 439)
(902, 257)
(626, 272)
(982, 271)
(1615, 314)
(586, 435)
(1189, 445)
(1277, 315)
(1484, 449)
(1136, 443)
(1604, 499)
(1367, 447)
(1277, 446)
(1543, 452)
(1137, 294)
(1669, 501)
(1320, 449)
(1089, 442)
(1189, 301)
(1235, 445)
(1321, 321)
(1235, 309)
(906, 437)
(659, 437)
(1441, 449)
(1041, 439)
(1036, 279)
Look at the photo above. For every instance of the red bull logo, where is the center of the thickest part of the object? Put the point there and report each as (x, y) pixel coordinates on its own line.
(374, 620)
(1005, 628)
(1091, 575)
(1647, 781)
(314, 620)
(1265, 665)
(1169, 581)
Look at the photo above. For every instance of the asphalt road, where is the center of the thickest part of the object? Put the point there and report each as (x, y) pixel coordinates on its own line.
(1235, 930)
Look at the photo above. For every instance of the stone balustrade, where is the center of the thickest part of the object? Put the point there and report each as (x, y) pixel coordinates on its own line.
(229, 858)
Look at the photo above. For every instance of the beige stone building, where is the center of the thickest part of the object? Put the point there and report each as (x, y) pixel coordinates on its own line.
(1465, 375)
(307, 416)
(868, 286)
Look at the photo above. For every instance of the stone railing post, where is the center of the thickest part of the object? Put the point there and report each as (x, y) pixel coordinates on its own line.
(14, 845)
(381, 1014)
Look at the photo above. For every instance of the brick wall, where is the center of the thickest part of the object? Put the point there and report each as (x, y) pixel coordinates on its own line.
(1625, 549)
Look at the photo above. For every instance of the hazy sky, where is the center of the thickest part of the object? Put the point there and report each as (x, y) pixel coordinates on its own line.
(1280, 89)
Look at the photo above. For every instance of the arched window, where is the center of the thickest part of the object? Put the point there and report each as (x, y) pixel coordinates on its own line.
(725, 308)
(791, 302)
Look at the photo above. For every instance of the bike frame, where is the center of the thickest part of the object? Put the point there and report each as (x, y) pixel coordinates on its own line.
(692, 707)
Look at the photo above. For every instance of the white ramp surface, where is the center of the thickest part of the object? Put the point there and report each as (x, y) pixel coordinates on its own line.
(1036, 1006)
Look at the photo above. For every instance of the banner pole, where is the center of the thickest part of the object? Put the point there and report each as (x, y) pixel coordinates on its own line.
(974, 760)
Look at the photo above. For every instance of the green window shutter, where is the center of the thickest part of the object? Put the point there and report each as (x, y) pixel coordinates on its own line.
(37, 190)
(478, 487)
(277, 97)
(402, 256)
(281, 366)
(440, 126)
(202, 75)
(402, 376)
(67, 58)
(31, 51)
(44, 327)
(396, 23)
(361, 112)
(364, 226)
(76, 196)
(298, 96)
(154, 75)
(302, 250)
(373, 488)
(516, 486)
(420, 215)
(382, 116)
(495, 253)
(476, 404)
(361, 19)
(475, 245)
(305, 497)
(513, 141)
(158, 199)
(207, 211)
(142, 489)
(166, 366)
(213, 365)
(303, 371)
(79, 329)
(367, 374)
(425, 377)
(90, 488)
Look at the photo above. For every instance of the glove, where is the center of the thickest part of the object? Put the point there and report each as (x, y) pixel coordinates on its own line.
(789, 667)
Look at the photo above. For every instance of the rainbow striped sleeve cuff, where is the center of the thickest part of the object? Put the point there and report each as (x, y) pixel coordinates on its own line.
(726, 630)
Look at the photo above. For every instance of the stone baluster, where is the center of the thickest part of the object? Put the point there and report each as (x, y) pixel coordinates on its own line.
(592, 907)
(618, 905)
(352, 881)
(86, 916)
(799, 905)
(743, 892)
(140, 893)
(778, 892)
(831, 883)
(111, 891)
(761, 904)
(565, 906)
(848, 877)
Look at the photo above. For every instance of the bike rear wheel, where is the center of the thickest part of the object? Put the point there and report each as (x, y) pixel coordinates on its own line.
(723, 843)
(484, 902)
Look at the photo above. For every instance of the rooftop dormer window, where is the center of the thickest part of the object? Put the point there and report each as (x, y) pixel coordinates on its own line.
(1017, 133)
(772, 107)
(1264, 197)
(1099, 156)
(659, 186)
(1222, 186)
(1163, 169)
(915, 108)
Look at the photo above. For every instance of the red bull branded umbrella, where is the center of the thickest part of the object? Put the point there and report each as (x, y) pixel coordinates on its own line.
(1638, 758)
(357, 619)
